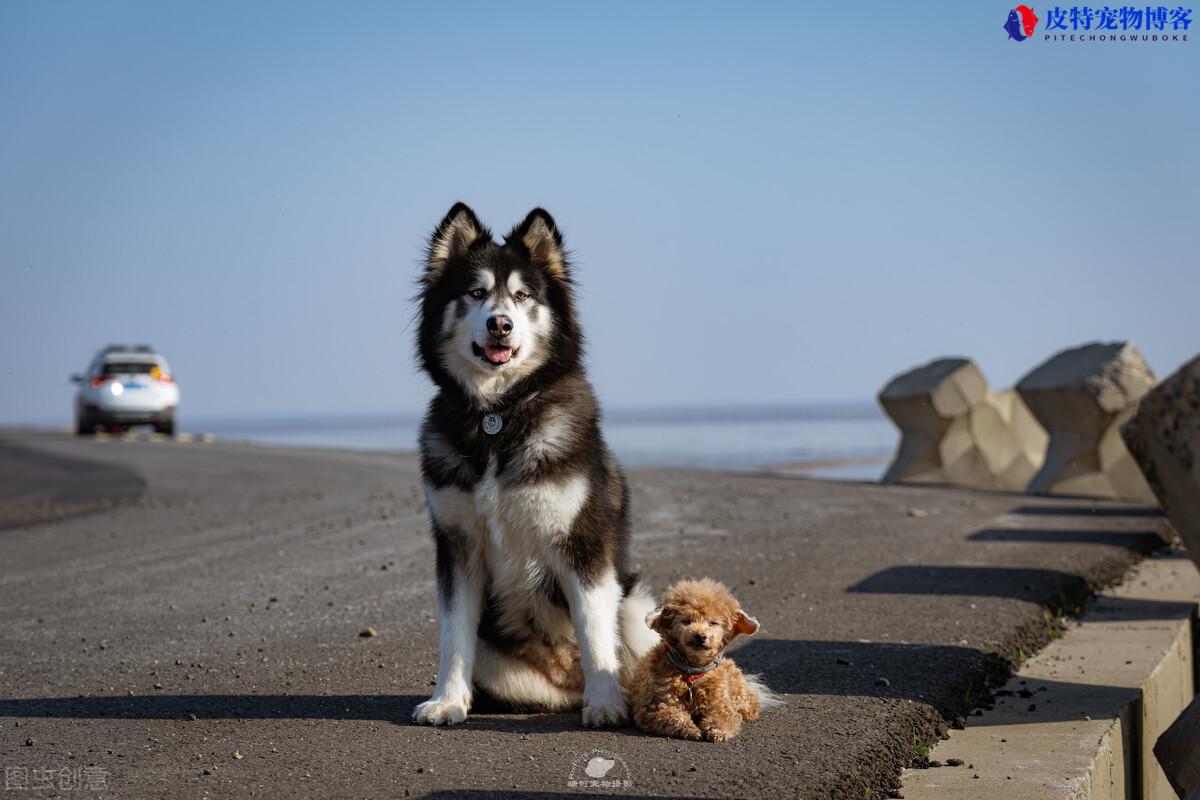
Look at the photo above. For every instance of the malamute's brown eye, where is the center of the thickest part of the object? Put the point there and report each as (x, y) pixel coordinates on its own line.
(521, 297)
(478, 294)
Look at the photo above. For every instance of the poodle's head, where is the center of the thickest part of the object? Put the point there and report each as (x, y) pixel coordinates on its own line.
(698, 620)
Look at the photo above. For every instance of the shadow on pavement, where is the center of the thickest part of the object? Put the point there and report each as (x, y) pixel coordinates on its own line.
(1138, 541)
(1049, 588)
(1021, 583)
(1088, 511)
(1032, 700)
(486, 715)
(386, 708)
(863, 669)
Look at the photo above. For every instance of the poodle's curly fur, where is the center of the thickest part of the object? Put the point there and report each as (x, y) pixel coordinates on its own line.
(697, 621)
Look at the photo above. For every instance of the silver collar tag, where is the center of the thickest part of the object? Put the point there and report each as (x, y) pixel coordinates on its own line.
(492, 423)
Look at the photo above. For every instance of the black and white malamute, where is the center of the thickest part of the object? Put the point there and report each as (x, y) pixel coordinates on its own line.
(530, 510)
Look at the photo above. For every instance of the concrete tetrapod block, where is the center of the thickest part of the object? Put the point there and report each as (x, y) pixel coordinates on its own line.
(1081, 397)
(1164, 438)
(955, 431)
(1029, 437)
(1178, 751)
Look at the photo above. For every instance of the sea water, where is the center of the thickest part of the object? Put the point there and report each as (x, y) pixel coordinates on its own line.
(835, 440)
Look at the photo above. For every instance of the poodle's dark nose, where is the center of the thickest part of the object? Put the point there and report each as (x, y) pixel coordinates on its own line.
(698, 639)
(499, 325)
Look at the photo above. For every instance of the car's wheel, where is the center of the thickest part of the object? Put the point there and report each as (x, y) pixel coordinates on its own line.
(166, 427)
(84, 426)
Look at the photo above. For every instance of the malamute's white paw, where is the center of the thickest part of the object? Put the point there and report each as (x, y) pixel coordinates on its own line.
(604, 707)
(439, 712)
(605, 716)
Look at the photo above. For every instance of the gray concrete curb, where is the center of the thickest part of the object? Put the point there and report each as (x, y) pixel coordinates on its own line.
(1080, 718)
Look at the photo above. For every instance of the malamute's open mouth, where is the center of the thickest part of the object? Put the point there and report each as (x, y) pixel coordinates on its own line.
(492, 354)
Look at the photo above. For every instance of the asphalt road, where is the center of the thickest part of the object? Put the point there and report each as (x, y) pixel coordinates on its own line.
(183, 620)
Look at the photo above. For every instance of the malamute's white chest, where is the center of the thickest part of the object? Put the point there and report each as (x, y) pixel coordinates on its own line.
(540, 514)
(515, 532)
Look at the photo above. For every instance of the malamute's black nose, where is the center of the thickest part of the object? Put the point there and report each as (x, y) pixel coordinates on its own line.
(499, 325)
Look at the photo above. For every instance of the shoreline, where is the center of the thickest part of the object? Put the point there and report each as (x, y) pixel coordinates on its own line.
(805, 467)
(809, 468)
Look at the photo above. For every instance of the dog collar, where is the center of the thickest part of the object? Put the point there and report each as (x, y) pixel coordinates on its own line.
(493, 422)
(692, 674)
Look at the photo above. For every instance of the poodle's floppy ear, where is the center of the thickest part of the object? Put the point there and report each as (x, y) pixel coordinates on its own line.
(744, 623)
(654, 619)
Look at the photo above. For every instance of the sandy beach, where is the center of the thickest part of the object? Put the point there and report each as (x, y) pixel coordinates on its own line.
(186, 618)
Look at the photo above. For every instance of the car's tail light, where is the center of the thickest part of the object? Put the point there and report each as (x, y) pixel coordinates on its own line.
(161, 376)
(99, 379)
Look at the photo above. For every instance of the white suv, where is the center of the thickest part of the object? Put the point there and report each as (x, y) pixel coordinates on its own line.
(126, 386)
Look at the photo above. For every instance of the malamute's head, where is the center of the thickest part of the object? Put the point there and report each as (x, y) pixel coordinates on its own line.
(496, 315)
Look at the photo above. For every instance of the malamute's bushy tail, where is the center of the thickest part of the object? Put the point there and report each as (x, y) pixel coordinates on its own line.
(766, 697)
(636, 636)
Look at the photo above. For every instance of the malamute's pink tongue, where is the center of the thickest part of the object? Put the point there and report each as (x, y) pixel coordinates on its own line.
(497, 355)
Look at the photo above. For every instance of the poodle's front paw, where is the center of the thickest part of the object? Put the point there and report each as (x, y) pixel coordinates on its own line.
(720, 732)
(440, 712)
(684, 732)
(604, 706)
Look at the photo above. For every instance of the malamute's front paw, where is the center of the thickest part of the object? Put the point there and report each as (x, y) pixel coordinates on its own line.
(440, 712)
(604, 708)
(605, 716)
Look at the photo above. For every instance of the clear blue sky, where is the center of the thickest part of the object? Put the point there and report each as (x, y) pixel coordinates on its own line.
(769, 203)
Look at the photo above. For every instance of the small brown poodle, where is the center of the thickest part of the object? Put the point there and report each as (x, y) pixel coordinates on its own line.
(685, 687)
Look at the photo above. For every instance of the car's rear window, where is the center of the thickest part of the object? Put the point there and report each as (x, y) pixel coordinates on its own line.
(128, 367)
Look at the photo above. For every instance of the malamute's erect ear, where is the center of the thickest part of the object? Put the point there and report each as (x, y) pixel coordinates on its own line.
(452, 238)
(541, 238)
